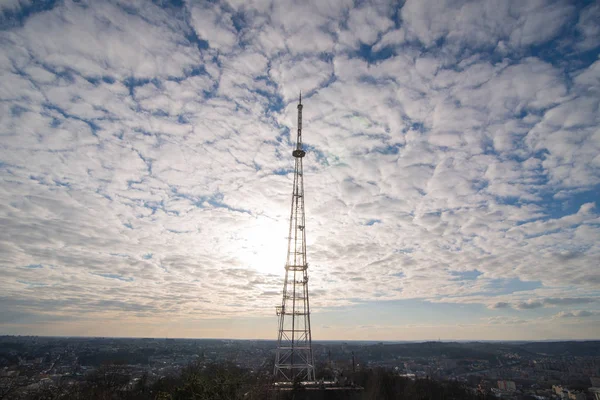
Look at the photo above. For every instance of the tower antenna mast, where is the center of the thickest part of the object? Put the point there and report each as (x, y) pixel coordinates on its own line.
(294, 356)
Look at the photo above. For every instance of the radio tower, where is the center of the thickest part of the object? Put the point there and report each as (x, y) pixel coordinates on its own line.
(294, 357)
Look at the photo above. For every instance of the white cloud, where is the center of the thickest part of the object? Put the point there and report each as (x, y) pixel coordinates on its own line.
(485, 23)
(575, 314)
(213, 25)
(588, 27)
(14, 5)
(364, 26)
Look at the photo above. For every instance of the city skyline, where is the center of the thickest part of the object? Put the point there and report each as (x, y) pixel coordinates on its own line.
(452, 169)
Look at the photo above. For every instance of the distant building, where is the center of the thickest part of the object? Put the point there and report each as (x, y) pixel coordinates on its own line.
(595, 389)
(561, 392)
(567, 394)
(576, 395)
(509, 386)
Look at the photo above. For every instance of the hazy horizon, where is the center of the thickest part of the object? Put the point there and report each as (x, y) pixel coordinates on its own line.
(314, 341)
(452, 174)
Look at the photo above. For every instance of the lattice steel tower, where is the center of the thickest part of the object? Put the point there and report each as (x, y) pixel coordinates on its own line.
(294, 357)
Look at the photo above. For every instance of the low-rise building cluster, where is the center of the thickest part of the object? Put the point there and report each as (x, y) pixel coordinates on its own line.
(493, 369)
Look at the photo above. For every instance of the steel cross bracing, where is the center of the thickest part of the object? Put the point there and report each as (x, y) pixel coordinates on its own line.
(294, 357)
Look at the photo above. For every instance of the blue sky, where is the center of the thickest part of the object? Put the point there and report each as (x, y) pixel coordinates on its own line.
(452, 173)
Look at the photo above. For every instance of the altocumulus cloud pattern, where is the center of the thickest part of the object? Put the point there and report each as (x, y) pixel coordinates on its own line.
(453, 165)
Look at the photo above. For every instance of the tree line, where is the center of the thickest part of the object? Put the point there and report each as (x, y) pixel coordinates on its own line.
(229, 382)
